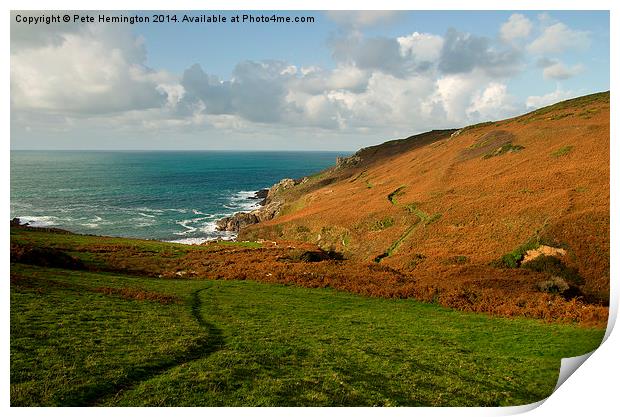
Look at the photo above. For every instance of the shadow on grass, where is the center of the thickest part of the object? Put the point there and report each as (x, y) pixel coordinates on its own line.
(204, 346)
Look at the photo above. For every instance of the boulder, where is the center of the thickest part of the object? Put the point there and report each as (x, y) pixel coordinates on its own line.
(236, 222)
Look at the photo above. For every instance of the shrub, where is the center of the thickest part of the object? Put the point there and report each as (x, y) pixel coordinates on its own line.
(48, 257)
(505, 148)
(412, 208)
(383, 224)
(302, 229)
(553, 266)
(513, 259)
(554, 285)
(313, 256)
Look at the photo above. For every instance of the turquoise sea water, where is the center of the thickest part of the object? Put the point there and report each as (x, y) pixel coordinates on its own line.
(173, 196)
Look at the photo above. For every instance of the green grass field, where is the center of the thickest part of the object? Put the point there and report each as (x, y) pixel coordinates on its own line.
(109, 339)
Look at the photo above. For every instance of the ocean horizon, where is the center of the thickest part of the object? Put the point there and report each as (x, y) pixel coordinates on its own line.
(174, 196)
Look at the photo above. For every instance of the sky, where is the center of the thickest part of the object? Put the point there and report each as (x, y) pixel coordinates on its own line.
(347, 80)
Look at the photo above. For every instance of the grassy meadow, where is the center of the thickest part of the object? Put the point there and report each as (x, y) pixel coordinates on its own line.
(86, 336)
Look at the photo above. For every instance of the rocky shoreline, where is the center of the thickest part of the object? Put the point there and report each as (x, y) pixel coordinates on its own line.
(270, 203)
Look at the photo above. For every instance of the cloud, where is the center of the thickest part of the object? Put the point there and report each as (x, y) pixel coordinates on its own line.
(517, 26)
(545, 62)
(381, 54)
(95, 70)
(378, 53)
(404, 56)
(214, 93)
(401, 57)
(418, 81)
(558, 38)
(388, 101)
(423, 47)
(493, 103)
(259, 89)
(361, 18)
(535, 102)
(24, 35)
(463, 99)
(315, 80)
(557, 71)
(256, 91)
(463, 52)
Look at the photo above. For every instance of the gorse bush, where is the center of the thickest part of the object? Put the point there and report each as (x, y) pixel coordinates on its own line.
(555, 267)
(513, 259)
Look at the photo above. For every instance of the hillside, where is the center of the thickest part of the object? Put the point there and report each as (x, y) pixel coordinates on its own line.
(101, 321)
(460, 208)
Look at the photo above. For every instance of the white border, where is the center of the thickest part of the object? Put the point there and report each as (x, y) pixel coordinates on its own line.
(591, 390)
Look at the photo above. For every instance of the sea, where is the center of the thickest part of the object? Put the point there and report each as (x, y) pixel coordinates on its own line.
(174, 196)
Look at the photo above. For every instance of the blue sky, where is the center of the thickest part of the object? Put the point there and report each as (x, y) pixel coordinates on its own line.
(345, 81)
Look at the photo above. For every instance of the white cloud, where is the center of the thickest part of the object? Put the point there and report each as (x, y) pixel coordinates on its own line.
(415, 82)
(93, 71)
(558, 38)
(470, 98)
(347, 78)
(422, 46)
(517, 26)
(557, 71)
(493, 102)
(534, 102)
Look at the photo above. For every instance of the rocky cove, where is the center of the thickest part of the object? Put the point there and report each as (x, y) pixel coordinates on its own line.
(273, 200)
(270, 204)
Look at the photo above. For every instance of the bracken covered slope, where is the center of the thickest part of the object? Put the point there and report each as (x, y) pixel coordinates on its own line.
(453, 207)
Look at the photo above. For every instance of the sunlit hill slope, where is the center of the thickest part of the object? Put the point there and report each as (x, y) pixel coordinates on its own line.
(458, 207)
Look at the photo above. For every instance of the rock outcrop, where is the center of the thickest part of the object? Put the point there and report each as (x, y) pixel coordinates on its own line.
(542, 250)
(236, 222)
(271, 205)
(343, 162)
(284, 184)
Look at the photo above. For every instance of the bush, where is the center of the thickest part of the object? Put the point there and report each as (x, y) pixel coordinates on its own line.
(505, 148)
(383, 223)
(313, 256)
(513, 259)
(555, 267)
(554, 285)
(47, 257)
(302, 229)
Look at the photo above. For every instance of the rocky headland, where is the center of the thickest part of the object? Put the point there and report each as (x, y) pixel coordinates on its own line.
(270, 207)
